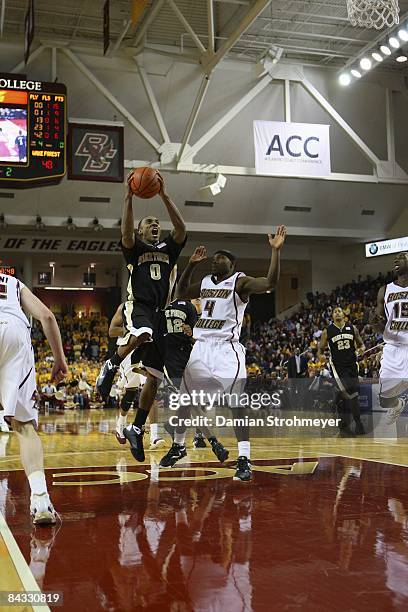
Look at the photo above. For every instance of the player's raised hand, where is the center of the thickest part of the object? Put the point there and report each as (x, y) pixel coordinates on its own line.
(199, 255)
(278, 240)
(59, 370)
(162, 191)
(129, 192)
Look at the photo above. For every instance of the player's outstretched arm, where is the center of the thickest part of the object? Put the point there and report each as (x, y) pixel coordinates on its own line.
(378, 319)
(322, 344)
(179, 232)
(33, 306)
(249, 285)
(359, 344)
(128, 222)
(186, 289)
(116, 325)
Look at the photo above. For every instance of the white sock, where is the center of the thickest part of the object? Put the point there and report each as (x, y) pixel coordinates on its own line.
(154, 431)
(180, 438)
(244, 449)
(154, 472)
(37, 482)
(122, 420)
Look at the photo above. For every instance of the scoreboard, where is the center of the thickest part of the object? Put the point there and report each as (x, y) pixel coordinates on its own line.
(33, 130)
(10, 270)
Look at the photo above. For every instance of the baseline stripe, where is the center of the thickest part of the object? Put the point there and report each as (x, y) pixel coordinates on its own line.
(27, 579)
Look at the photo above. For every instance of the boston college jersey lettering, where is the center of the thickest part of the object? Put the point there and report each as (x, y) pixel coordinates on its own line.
(396, 312)
(222, 310)
(10, 290)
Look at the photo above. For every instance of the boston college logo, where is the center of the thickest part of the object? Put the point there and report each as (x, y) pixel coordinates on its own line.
(98, 152)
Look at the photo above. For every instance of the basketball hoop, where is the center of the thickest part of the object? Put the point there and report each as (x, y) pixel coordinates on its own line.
(373, 13)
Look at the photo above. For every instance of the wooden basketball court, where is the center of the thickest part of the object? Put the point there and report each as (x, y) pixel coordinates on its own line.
(321, 518)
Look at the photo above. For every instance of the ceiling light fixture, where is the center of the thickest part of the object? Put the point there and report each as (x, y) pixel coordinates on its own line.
(345, 79)
(403, 34)
(268, 60)
(365, 63)
(383, 46)
(385, 50)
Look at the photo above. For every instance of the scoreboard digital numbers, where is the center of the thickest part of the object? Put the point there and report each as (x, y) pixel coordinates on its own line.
(33, 129)
(10, 270)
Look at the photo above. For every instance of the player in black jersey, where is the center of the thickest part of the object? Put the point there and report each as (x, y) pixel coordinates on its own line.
(181, 317)
(151, 263)
(344, 340)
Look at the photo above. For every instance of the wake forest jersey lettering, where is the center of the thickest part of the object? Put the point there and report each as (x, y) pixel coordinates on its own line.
(341, 344)
(396, 313)
(10, 296)
(177, 314)
(222, 310)
(152, 269)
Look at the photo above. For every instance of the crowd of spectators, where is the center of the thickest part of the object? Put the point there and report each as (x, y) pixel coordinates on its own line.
(271, 344)
(85, 341)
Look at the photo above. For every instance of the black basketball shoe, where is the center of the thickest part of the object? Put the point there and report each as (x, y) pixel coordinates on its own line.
(244, 472)
(199, 441)
(177, 452)
(219, 450)
(134, 436)
(105, 379)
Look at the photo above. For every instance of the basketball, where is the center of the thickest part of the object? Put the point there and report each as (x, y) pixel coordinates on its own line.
(144, 182)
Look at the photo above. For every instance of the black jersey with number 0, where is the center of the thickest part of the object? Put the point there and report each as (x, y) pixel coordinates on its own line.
(177, 314)
(151, 268)
(342, 344)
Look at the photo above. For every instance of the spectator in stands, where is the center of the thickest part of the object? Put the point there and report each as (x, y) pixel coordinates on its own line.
(48, 395)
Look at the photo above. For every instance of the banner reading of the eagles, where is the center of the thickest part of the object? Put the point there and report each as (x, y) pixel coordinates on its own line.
(95, 152)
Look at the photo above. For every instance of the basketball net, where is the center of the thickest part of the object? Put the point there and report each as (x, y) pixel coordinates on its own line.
(373, 13)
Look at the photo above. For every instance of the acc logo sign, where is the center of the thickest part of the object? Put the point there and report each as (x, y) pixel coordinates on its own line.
(98, 151)
(276, 145)
(291, 149)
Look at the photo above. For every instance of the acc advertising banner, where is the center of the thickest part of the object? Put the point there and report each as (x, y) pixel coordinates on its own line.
(292, 149)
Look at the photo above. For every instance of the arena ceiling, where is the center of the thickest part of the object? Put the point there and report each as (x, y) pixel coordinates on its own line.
(313, 31)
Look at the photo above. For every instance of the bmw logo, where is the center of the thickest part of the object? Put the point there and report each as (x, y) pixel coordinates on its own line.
(373, 248)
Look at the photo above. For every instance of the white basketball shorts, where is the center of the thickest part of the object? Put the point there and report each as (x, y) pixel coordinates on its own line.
(129, 378)
(394, 370)
(18, 388)
(215, 366)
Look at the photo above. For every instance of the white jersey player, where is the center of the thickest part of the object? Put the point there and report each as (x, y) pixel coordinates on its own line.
(217, 361)
(18, 382)
(392, 312)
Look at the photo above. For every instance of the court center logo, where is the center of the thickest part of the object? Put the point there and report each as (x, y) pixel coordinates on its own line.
(98, 150)
(373, 248)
